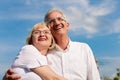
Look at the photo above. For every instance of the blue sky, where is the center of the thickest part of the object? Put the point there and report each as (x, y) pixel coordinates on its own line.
(96, 22)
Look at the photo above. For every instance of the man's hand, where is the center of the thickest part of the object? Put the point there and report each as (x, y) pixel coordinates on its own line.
(9, 75)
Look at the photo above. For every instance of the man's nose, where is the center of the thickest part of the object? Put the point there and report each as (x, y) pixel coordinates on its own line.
(56, 21)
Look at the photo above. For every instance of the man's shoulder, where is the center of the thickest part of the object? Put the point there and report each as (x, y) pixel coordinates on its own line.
(78, 43)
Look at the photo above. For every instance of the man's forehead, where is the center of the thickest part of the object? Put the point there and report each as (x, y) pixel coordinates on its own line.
(55, 14)
(42, 28)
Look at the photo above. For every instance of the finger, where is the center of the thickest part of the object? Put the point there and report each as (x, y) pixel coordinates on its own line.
(10, 71)
(13, 77)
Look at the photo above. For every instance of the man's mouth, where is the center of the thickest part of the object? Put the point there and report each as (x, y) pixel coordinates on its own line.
(58, 27)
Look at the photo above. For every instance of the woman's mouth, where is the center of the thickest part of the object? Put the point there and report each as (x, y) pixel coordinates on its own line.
(41, 39)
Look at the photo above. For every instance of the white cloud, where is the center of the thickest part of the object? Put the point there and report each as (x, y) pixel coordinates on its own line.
(109, 65)
(26, 9)
(102, 9)
(119, 39)
(21, 16)
(116, 26)
(109, 27)
(83, 17)
(6, 48)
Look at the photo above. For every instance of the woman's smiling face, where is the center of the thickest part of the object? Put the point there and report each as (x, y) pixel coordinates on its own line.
(41, 36)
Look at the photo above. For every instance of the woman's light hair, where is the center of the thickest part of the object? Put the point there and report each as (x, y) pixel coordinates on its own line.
(36, 27)
(46, 18)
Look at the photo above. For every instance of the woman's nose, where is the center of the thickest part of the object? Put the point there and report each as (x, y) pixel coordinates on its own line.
(42, 33)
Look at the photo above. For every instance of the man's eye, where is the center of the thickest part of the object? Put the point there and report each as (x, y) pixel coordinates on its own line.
(51, 21)
(60, 19)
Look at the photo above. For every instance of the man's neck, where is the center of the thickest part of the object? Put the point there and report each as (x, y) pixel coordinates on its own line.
(63, 42)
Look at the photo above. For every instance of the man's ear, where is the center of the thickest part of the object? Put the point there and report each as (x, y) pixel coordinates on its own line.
(68, 25)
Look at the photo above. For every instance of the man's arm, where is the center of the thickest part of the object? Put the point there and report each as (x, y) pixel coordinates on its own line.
(93, 72)
(46, 73)
(8, 75)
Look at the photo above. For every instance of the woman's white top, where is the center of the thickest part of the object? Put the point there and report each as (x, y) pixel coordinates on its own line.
(28, 57)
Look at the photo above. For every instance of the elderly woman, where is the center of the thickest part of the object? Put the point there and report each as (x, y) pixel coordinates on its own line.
(31, 60)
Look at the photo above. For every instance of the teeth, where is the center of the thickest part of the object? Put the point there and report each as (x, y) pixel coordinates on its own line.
(57, 27)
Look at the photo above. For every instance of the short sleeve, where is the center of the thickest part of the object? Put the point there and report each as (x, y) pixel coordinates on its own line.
(29, 57)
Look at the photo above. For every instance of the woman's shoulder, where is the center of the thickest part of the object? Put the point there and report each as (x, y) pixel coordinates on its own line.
(28, 47)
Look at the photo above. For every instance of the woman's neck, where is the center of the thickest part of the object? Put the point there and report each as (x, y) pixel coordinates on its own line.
(42, 50)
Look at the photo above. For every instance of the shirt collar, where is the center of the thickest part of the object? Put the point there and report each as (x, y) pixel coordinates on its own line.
(57, 47)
